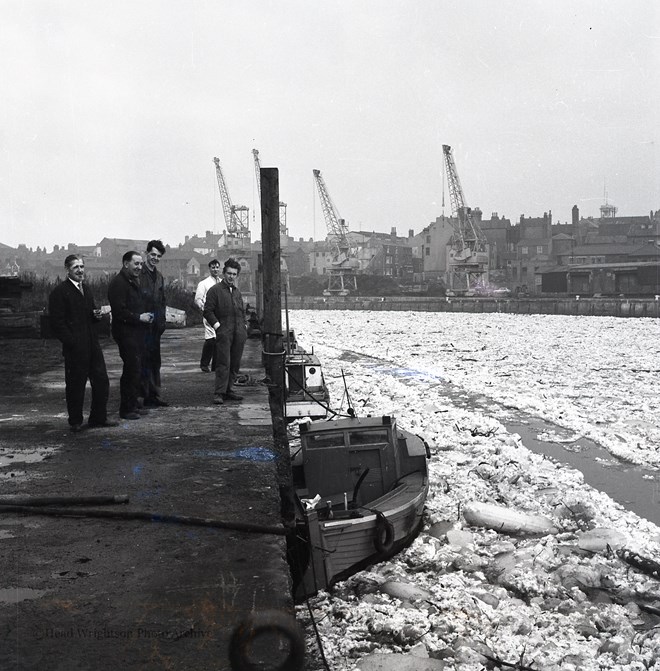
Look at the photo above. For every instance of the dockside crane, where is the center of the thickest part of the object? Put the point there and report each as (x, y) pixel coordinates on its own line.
(257, 167)
(342, 273)
(237, 217)
(467, 259)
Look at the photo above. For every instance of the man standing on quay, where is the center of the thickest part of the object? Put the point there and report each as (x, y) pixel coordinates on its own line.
(208, 350)
(72, 315)
(129, 325)
(152, 288)
(225, 311)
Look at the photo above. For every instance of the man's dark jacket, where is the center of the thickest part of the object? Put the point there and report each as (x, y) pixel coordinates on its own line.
(226, 307)
(127, 305)
(72, 319)
(152, 288)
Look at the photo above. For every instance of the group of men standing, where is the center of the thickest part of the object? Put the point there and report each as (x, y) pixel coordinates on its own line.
(137, 301)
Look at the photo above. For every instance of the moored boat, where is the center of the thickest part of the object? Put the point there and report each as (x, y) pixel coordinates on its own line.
(305, 391)
(361, 485)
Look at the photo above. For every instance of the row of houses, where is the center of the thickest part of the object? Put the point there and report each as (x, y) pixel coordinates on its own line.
(521, 254)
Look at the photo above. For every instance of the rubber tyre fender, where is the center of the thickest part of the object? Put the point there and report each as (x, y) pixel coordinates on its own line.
(262, 622)
(383, 534)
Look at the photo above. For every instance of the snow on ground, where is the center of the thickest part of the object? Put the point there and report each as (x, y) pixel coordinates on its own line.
(468, 597)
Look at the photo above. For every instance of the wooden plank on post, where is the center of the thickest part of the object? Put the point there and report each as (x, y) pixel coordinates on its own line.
(272, 333)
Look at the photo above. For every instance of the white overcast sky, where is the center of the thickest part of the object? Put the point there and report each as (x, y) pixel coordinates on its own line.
(111, 113)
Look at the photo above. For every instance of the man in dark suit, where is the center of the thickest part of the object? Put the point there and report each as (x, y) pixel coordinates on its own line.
(130, 321)
(225, 312)
(72, 316)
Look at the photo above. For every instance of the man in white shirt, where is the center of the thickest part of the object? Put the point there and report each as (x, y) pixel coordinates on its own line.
(208, 351)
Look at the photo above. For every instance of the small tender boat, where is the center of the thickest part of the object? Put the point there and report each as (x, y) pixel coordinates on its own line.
(305, 391)
(361, 485)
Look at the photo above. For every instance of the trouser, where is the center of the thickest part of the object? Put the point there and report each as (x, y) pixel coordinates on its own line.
(130, 351)
(78, 368)
(151, 366)
(228, 354)
(208, 354)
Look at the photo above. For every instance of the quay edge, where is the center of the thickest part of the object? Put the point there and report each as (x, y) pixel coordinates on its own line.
(587, 306)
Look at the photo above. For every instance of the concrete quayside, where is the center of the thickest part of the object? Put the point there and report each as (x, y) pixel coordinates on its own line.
(147, 589)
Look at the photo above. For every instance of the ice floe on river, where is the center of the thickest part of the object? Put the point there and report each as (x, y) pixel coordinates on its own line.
(575, 595)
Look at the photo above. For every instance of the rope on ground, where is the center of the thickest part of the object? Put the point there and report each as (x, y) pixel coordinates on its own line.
(246, 380)
(247, 527)
(20, 500)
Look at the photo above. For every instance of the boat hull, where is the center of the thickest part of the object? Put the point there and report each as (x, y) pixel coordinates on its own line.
(361, 486)
(340, 547)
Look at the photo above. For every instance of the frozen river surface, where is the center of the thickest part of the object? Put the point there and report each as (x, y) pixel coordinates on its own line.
(467, 597)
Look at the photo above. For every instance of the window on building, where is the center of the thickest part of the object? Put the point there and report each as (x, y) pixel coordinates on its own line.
(427, 251)
(524, 251)
(428, 239)
(539, 249)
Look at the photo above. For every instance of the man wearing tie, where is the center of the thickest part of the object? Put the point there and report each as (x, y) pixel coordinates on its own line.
(208, 350)
(225, 312)
(72, 316)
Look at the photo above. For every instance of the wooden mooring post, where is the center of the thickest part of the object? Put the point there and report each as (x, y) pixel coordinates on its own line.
(272, 333)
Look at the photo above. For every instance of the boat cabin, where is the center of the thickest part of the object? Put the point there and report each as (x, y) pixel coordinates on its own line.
(352, 462)
(305, 391)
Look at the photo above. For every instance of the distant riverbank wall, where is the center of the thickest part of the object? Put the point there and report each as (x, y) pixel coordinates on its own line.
(595, 307)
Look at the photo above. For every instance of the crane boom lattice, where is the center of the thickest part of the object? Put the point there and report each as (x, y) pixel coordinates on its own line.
(467, 262)
(237, 217)
(342, 273)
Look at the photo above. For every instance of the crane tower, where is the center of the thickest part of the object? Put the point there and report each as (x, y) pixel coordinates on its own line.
(342, 273)
(467, 259)
(257, 167)
(237, 217)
